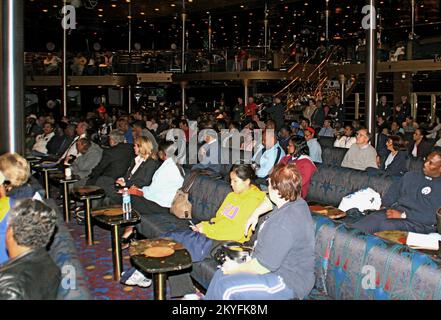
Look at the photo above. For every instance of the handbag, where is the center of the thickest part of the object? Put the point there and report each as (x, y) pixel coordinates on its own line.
(181, 206)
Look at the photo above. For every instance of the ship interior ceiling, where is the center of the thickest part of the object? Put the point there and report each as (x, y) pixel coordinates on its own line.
(227, 26)
(156, 24)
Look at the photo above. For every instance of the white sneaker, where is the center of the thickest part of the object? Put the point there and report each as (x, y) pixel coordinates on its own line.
(138, 279)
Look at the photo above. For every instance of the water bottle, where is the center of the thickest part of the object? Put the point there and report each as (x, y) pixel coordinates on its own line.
(127, 205)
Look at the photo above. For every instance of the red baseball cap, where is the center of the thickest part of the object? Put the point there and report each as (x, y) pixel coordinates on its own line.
(311, 130)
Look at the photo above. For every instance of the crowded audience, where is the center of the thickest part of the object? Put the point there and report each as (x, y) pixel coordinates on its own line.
(142, 152)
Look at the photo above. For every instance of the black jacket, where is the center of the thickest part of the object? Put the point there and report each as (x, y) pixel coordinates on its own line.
(114, 163)
(398, 167)
(143, 175)
(277, 113)
(423, 149)
(58, 144)
(32, 276)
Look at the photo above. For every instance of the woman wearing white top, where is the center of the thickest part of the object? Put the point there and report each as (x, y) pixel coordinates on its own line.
(158, 197)
(347, 140)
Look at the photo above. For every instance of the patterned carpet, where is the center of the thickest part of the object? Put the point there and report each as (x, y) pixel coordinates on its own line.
(97, 262)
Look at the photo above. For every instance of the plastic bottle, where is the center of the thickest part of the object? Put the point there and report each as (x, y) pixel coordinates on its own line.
(126, 205)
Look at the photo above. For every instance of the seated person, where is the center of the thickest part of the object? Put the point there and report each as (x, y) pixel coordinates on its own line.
(327, 130)
(40, 147)
(361, 155)
(30, 273)
(284, 137)
(210, 153)
(157, 198)
(232, 215)
(347, 140)
(82, 166)
(419, 147)
(411, 203)
(315, 150)
(17, 174)
(395, 163)
(124, 126)
(61, 142)
(140, 130)
(282, 262)
(230, 220)
(268, 155)
(114, 162)
(298, 153)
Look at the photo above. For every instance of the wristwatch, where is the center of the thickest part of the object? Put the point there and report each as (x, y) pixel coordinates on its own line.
(403, 215)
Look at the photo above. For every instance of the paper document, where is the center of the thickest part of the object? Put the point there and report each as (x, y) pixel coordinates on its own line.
(422, 241)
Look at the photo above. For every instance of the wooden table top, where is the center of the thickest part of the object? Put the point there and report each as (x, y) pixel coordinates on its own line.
(178, 260)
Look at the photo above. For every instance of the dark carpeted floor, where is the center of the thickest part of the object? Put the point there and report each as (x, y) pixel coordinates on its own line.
(98, 266)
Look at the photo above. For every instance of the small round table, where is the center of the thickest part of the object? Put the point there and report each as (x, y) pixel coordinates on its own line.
(86, 194)
(46, 168)
(159, 266)
(113, 217)
(61, 178)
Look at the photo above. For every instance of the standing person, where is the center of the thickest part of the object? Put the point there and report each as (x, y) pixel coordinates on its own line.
(318, 117)
(402, 110)
(251, 108)
(383, 109)
(282, 263)
(193, 111)
(238, 110)
(309, 110)
(277, 111)
(337, 112)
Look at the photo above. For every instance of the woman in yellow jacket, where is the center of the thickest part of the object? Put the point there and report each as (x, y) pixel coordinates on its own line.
(238, 206)
(231, 218)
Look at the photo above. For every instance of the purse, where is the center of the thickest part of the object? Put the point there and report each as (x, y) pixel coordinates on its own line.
(181, 206)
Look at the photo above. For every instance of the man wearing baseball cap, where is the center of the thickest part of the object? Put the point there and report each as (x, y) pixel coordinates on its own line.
(315, 150)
